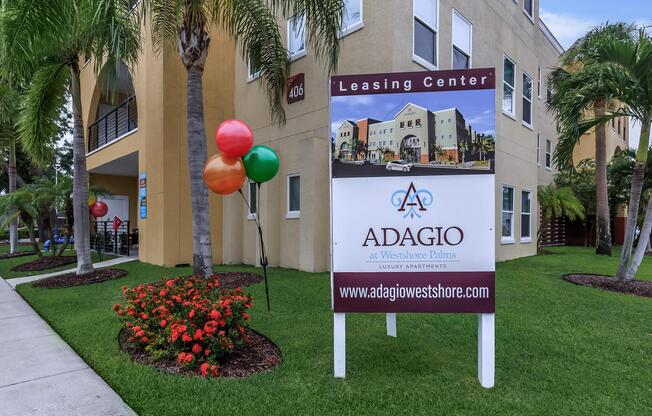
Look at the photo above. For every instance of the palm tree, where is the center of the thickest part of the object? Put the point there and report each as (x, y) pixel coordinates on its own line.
(185, 24)
(556, 202)
(580, 54)
(620, 69)
(8, 111)
(21, 204)
(49, 38)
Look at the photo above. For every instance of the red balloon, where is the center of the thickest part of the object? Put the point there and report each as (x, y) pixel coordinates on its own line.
(99, 209)
(234, 138)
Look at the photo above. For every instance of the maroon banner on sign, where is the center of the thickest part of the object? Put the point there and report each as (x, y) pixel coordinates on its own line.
(423, 81)
(454, 292)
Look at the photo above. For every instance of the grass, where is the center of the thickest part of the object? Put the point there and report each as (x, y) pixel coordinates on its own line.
(7, 264)
(561, 349)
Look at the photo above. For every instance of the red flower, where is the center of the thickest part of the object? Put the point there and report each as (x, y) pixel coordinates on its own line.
(163, 293)
(215, 314)
(207, 352)
(170, 283)
(182, 358)
(140, 333)
(199, 335)
(191, 313)
(245, 315)
(163, 323)
(185, 337)
(197, 349)
(203, 369)
(189, 358)
(136, 328)
(116, 307)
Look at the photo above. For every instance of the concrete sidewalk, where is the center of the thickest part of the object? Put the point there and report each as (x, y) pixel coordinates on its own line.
(20, 280)
(40, 374)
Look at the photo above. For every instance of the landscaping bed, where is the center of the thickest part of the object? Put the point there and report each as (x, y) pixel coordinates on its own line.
(44, 263)
(260, 354)
(632, 287)
(73, 279)
(231, 280)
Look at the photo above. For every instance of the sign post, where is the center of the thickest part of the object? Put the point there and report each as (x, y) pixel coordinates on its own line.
(413, 200)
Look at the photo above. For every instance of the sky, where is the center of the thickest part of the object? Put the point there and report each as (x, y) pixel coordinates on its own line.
(568, 20)
(477, 107)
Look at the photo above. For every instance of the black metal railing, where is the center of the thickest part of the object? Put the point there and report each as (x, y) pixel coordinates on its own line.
(109, 239)
(118, 122)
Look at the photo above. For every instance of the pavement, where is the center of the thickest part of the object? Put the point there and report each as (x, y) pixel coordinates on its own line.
(39, 373)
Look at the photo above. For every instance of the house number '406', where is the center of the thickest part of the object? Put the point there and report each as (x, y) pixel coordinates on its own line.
(296, 88)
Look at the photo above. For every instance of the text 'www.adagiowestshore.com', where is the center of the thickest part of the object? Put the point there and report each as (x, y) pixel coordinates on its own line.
(393, 293)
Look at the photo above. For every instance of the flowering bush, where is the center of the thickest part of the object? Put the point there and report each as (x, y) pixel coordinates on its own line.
(188, 319)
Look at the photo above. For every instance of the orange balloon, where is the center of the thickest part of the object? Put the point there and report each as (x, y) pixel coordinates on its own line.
(224, 174)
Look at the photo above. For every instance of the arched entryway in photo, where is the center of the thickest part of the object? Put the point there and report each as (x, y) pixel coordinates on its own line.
(345, 151)
(114, 111)
(410, 149)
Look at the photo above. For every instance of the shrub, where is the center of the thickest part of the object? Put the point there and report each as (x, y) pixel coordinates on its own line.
(190, 320)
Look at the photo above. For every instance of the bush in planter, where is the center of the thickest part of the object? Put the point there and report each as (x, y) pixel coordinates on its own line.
(188, 319)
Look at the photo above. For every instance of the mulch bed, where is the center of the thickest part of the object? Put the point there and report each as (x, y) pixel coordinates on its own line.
(17, 254)
(72, 279)
(44, 263)
(231, 280)
(260, 354)
(641, 288)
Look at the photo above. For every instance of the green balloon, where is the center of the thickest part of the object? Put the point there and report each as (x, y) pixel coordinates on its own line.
(261, 163)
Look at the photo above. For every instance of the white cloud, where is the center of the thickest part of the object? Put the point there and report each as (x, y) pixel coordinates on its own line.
(566, 27)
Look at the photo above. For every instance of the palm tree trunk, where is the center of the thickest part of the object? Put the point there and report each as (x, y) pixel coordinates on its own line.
(603, 232)
(80, 179)
(643, 241)
(635, 196)
(197, 155)
(29, 222)
(11, 173)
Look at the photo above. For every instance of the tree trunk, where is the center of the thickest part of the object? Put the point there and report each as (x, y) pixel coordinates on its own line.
(635, 197)
(197, 155)
(80, 178)
(29, 223)
(11, 173)
(643, 242)
(602, 219)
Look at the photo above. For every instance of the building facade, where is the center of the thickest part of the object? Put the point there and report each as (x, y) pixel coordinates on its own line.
(387, 36)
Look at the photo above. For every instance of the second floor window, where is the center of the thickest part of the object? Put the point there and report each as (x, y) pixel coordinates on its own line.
(425, 32)
(528, 7)
(352, 16)
(509, 70)
(297, 36)
(548, 154)
(462, 30)
(527, 99)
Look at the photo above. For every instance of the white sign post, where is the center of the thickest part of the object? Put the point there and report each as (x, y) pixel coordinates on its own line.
(412, 200)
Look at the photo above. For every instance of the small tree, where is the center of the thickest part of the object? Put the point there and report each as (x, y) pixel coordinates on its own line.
(556, 202)
(21, 204)
(582, 182)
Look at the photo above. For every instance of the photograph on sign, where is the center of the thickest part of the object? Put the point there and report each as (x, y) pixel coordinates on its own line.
(413, 192)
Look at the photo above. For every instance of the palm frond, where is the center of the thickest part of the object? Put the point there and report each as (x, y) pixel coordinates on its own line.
(37, 123)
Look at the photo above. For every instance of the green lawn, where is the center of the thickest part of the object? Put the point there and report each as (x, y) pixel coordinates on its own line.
(561, 349)
(7, 264)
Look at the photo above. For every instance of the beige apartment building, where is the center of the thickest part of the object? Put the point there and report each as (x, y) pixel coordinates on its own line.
(387, 36)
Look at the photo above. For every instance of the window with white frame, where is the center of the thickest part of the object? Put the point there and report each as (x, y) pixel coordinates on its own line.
(297, 36)
(526, 215)
(538, 150)
(425, 32)
(528, 8)
(509, 71)
(507, 226)
(548, 154)
(352, 16)
(253, 194)
(294, 196)
(539, 83)
(462, 41)
(527, 99)
(252, 73)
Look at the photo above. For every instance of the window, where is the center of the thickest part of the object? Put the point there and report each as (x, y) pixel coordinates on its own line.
(509, 70)
(352, 16)
(527, 99)
(539, 83)
(294, 196)
(253, 209)
(538, 150)
(425, 32)
(526, 216)
(507, 226)
(297, 36)
(418, 122)
(548, 154)
(402, 124)
(252, 73)
(410, 125)
(462, 30)
(528, 8)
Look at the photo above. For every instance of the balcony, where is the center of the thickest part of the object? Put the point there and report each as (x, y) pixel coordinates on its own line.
(115, 124)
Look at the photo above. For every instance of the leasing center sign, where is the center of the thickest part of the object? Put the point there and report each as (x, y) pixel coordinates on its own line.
(412, 192)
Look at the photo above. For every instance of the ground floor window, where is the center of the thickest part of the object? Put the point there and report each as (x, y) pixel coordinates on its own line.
(526, 216)
(294, 196)
(507, 227)
(548, 154)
